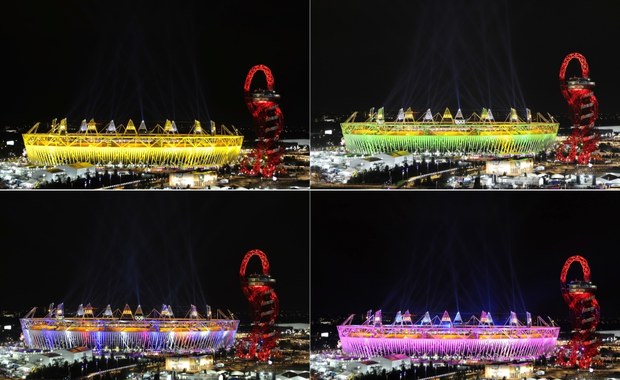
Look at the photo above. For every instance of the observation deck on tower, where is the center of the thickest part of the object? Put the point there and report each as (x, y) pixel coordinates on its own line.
(261, 95)
(259, 280)
(576, 83)
(581, 287)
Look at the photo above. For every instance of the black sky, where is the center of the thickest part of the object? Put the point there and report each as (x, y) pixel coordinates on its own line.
(414, 53)
(151, 248)
(159, 59)
(467, 251)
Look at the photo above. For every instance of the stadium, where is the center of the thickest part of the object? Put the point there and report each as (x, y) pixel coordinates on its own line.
(159, 331)
(477, 339)
(130, 146)
(445, 134)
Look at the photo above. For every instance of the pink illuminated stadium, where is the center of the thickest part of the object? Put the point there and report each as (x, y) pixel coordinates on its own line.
(445, 338)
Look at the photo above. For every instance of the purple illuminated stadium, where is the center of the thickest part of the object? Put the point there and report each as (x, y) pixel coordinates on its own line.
(125, 330)
(477, 339)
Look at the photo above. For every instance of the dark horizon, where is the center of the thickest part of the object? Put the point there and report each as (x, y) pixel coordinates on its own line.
(457, 251)
(154, 60)
(177, 248)
(471, 54)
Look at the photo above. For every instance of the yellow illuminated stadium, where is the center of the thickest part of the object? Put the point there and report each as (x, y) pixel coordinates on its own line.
(131, 146)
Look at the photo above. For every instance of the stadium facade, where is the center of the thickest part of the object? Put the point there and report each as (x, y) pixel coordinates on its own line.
(159, 331)
(445, 134)
(130, 146)
(477, 339)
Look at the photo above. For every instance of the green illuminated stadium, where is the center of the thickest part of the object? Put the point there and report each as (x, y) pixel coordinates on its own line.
(444, 134)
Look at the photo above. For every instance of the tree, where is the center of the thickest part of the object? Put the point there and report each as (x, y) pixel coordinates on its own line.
(477, 184)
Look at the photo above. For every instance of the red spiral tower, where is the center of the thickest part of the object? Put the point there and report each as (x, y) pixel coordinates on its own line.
(583, 105)
(584, 315)
(263, 105)
(264, 307)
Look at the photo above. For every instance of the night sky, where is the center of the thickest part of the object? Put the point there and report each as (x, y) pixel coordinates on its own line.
(177, 248)
(483, 53)
(467, 251)
(154, 59)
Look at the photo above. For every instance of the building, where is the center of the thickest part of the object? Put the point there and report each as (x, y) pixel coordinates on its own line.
(291, 328)
(191, 364)
(76, 354)
(445, 134)
(26, 368)
(78, 169)
(508, 370)
(126, 330)
(130, 146)
(609, 180)
(366, 366)
(59, 356)
(48, 175)
(61, 172)
(401, 157)
(367, 163)
(393, 361)
(293, 375)
(478, 339)
(514, 167)
(45, 359)
(192, 180)
(527, 180)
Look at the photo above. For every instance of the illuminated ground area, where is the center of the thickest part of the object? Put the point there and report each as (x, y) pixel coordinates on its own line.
(131, 146)
(292, 352)
(478, 134)
(15, 363)
(17, 173)
(334, 167)
(335, 365)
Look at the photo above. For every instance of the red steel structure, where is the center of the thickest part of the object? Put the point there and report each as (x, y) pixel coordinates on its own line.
(584, 314)
(264, 305)
(583, 105)
(266, 157)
